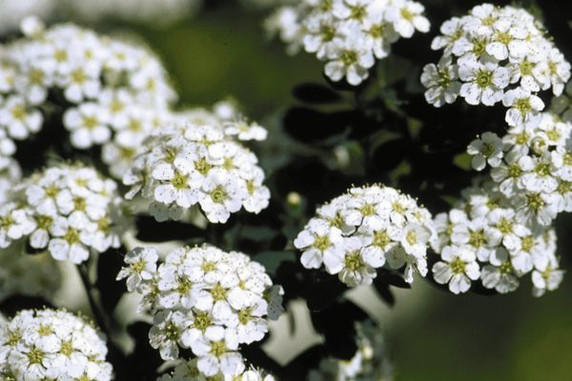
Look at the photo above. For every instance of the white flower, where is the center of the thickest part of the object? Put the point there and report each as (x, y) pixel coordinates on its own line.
(406, 17)
(486, 149)
(142, 264)
(88, 125)
(524, 107)
(458, 268)
(500, 274)
(441, 83)
(485, 83)
(318, 240)
(350, 58)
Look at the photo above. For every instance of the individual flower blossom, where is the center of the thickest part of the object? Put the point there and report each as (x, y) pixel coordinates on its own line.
(483, 83)
(524, 107)
(195, 164)
(205, 300)
(458, 268)
(39, 344)
(142, 266)
(487, 149)
(500, 274)
(68, 210)
(363, 230)
(350, 35)
(370, 362)
(442, 83)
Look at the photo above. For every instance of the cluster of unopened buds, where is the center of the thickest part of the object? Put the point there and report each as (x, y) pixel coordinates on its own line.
(349, 35)
(205, 300)
(365, 229)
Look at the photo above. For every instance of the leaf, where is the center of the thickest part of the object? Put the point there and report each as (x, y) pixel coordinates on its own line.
(384, 293)
(313, 93)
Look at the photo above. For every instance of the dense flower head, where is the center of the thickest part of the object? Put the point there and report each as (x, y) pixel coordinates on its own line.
(370, 361)
(28, 275)
(532, 167)
(107, 91)
(189, 371)
(496, 55)
(68, 210)
(349, 35)
(52, 345)
(206, 300)
(365, 229)
(486, 239)
(200, 160)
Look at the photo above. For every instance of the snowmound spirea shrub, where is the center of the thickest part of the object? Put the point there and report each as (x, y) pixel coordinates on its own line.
(485, 239)
(493, 55)
(365, 229)
(105, 91)
(348, 35)
(200, 162)
(52, 345)
(68, 210)
(206, 300)
(370, 361)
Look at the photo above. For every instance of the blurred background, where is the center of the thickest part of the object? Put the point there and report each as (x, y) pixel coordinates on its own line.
(218, 49)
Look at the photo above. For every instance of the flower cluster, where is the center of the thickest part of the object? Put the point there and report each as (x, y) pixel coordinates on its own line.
(189, 371)
(106, 91)
(28, 275)
(349, 35)
(495, 54)
(365, 229)
(67, 210)
(204, 299)
(486, 238)
(369, 363)
(52, 345)
(200, 161)
(532, 166)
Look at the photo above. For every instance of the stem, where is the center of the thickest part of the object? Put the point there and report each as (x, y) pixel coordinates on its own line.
(97, 313)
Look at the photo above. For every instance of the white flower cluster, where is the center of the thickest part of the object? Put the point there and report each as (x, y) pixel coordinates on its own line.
(495, 54)
(204, 299)
(200, 161)
(365, 229)
(52, 345)
(29, 275)
(189, 371)
(532, 166)
(112, 92)
(349, 35)
(67, 210)
(369, 363)
(486, 238)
